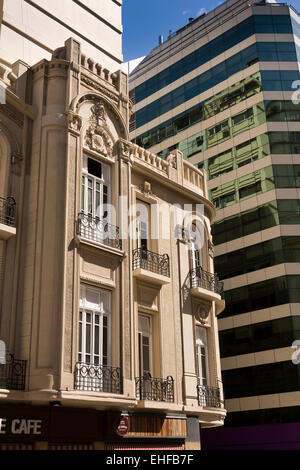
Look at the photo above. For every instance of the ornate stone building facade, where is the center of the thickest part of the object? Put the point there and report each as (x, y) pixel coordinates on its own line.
(108, 304)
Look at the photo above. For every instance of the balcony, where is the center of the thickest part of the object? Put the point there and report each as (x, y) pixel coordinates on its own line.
(13, 373)
(7, 218)
(151, 267)
(98, 378)
(153, 389)
(209, 396)
(98, 231)
(207, 286)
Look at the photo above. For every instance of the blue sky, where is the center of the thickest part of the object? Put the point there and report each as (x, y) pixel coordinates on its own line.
(145, 20)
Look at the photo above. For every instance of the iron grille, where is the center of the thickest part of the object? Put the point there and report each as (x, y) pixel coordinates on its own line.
(209, 396)
(98, 378)
(151, 261)
(149, 388)
(13, 373)
(98, 230)
(206, 280)
(8, 211)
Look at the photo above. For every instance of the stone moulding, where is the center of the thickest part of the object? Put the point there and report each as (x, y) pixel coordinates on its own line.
(95, 86)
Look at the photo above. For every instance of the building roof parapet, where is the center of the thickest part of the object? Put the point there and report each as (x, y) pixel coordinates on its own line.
(175, 168)
(111, 78)
(71, 52)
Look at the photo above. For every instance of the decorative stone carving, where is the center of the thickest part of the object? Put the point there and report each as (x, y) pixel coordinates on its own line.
(211, 249)
(201, 311)
(172, 160)
(97, 136)
(98, 112)
(146, 188)
(16, 158)
(125, 148)
(99, 140)
(74, 122)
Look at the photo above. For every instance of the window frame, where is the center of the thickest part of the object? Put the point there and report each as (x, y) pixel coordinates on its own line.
(85, 310)
(140, 352)
(201, 343)
(102, 183)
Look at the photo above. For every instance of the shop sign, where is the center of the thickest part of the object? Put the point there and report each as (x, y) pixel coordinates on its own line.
(20, 426)
(123, 426)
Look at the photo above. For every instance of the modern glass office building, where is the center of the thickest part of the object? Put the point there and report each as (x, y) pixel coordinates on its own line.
(223, 91)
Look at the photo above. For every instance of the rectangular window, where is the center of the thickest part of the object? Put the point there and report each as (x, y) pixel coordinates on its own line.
(142, 225)
(250, 190)
(145, 345)
(95, 187)
(202, 356)
(242, 116)
(94, 326)
(225, 200)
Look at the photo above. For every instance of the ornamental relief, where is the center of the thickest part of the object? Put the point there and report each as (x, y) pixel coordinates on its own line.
(98, 139)
(172, 160)
(74, 122)
(201, 312)
(125, 148)
(98, 136)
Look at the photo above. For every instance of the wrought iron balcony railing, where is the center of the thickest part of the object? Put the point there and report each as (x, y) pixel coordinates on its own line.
(206, 280)
(8, 211)
(145, 259)
(13, 373)
(209, 396)
(148, 388)
(98, 378)
(98, 230)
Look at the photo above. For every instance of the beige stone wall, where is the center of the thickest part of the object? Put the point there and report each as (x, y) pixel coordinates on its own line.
(32, 30)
